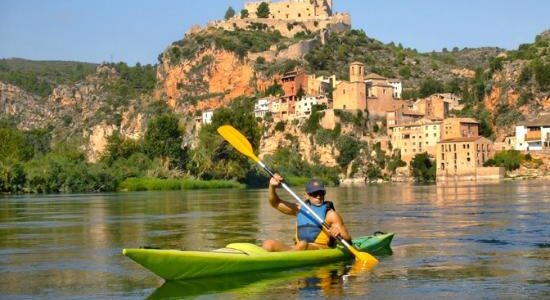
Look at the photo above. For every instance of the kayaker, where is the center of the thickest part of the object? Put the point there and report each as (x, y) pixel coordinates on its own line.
(309, 233)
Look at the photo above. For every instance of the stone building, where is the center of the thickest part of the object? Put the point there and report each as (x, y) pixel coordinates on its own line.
(433, 107)
(459, 128)
(351, 95)
(298, 10)
(380, 95)
(414, 138)
(463, 158)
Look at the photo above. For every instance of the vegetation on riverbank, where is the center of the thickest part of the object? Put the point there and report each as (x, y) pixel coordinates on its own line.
(159, 184)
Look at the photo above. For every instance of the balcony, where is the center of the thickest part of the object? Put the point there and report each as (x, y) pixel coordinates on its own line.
(533, 136)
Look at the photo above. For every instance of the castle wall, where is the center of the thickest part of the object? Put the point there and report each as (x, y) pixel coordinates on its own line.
(298, 10)
(336, 23)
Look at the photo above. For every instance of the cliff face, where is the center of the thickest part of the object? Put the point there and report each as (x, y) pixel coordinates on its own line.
(272, 140)
(509, 96)
(79, 110)
(208, 81)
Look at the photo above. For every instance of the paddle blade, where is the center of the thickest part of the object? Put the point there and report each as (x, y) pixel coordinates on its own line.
(363, 257)
(238, 141)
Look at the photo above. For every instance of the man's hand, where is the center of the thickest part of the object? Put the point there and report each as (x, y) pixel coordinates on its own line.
(336, 230)
(275, 181)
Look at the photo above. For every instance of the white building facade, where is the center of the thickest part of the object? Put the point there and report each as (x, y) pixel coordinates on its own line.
(261, 108)
(397, 87)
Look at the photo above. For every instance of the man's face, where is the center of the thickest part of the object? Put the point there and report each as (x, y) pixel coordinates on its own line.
(317, 197)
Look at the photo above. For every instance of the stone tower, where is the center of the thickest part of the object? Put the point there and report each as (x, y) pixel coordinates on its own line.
(357, 72)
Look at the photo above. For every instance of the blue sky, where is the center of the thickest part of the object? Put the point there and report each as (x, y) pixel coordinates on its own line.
(137, 31)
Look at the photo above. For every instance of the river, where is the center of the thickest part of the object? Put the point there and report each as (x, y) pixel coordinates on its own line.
(485, 241)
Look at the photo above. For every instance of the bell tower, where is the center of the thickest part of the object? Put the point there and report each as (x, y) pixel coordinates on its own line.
(357, 72)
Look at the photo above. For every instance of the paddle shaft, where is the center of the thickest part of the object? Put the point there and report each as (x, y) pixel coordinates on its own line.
(308, 209)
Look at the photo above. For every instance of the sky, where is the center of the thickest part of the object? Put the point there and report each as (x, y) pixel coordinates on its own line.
(138, 31)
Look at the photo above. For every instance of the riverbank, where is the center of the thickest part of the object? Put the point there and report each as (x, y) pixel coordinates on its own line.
(158, 184)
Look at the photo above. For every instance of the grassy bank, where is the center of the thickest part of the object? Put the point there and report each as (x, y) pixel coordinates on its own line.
(157, 184)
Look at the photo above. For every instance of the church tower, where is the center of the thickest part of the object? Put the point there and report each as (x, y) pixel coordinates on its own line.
(357, 72)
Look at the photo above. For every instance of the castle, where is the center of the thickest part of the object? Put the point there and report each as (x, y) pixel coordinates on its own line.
(290, 17)
(297, 10)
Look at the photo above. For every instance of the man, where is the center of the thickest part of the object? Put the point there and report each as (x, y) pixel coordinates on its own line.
(310, 235)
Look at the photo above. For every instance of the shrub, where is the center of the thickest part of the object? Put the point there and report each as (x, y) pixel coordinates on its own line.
(422, 168)
(280, 126)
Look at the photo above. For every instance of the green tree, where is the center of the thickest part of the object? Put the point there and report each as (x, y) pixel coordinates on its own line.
(263, 10)
(230, 13)
(213, 158)
(509, 159)
(163, 138)
(244, 13)
(422, 168)
(349, 149)
(430, 86)
(119, 148)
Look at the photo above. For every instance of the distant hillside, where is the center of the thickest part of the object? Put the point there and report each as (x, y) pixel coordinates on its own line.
(40, 77)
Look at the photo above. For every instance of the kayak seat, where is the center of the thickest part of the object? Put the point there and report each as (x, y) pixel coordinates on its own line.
(248, 248)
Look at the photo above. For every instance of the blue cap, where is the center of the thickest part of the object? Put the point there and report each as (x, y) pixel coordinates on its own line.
(314, 185)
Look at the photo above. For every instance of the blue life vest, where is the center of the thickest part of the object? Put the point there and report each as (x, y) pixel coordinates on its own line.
(308, 227)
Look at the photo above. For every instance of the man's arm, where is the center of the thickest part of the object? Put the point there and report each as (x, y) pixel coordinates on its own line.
(337, 227)
(285, 207)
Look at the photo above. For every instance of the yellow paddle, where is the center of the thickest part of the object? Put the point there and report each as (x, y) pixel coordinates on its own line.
(239, 142)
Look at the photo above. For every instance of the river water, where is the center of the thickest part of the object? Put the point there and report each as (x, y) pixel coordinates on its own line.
(489, 241)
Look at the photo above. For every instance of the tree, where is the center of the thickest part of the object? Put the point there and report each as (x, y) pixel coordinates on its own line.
(430, 86)
(163, 138)
(230, 13)
(263, 10)
(349, 149)
(244, 13)
(422, 168)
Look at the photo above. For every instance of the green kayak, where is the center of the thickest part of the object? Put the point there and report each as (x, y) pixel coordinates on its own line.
(243, 257)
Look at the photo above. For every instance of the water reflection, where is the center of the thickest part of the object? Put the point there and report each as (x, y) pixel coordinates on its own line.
(320, 281)
(459, 241)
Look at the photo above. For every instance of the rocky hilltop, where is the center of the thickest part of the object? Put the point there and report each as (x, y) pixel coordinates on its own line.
(211, 67)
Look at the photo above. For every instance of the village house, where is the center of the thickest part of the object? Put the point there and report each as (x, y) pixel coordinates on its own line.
(459, 128)
(381, 94)
(397, 87)
(534, 135)
(463, 158)
(293, 84)
(414, 138)
(320, 86)
(261, 108)
(402, 113)
(461, 152)
(305, 105)
(452, 100)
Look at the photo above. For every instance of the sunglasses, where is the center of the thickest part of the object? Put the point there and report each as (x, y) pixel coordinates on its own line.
(317, 194)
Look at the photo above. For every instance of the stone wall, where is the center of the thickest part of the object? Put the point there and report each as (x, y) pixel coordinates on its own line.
(288, 28)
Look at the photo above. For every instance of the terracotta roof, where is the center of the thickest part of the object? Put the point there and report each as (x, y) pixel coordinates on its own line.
(464, 120)
(375, 76)
(464, 139)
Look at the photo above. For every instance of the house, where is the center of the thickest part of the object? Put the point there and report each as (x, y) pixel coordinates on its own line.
(305, 105)
(459, 128)
(534, 135)
(261, 108)
(414, 138)
(462, 158)
(381, 94)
